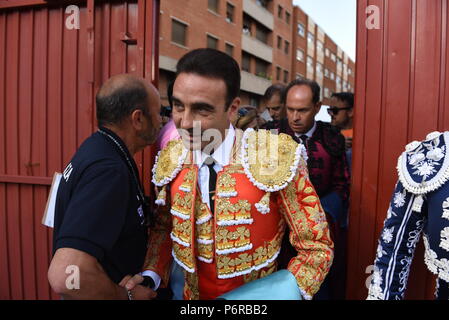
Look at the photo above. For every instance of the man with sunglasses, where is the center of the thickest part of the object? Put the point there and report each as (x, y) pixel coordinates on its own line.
(341, 111)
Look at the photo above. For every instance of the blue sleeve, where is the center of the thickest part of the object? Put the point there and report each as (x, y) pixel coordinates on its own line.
(97, 210)
(397, 243)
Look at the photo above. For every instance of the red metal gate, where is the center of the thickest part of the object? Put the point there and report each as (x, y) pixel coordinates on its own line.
(48, 78)
(401, 95)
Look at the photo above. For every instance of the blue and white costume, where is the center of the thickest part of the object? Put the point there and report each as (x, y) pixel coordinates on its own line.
(420, 204)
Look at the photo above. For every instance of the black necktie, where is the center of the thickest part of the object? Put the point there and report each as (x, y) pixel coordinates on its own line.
(212, 182)
(304, 138)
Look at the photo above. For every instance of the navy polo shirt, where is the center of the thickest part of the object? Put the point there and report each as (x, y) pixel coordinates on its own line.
(98, 210)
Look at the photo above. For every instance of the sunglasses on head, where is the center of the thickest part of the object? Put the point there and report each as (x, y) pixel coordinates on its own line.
(335, 110)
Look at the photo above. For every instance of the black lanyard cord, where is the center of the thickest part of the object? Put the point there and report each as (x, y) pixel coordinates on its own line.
(130, 167)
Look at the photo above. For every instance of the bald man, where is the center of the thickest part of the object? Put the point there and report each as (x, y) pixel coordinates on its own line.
(101, 213)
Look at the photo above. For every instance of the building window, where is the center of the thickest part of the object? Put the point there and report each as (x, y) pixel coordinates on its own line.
(262, 34)
(278, 73)
(301, 30)
(287, 17)
(261, 68)
(309, 62)
(327, 52)
(212, 42)
(279, 42)
(229, 12)
(319, 68)
(310, 37)
(326, 72)
(287, 47)
(349, 71)
(333, 57)
(178, 32)
(327, 93)
(280, 12)
(338, 80)
(253, 101)
(299, 55)
(332, 76)
(263, 3)
(212, 5)
(246, 62)
(319, 45)
(299, 76)
(285, 76)
(229, 49)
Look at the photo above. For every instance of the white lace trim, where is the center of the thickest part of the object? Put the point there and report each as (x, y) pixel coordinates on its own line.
(176, 239)
(185, 189)
(262, 208)
(204, 241)
(439, 267)
(234, 250)
(179, 214)
(427, 186)
(300, 151)
(234, 222)
(444, 243)
(227, 194)
(190, 270)
(175, 172)
(249, 270)
(204, 259)
(204, 219)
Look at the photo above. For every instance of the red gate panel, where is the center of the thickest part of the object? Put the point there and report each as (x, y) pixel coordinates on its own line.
(401, 84)
(48, 77)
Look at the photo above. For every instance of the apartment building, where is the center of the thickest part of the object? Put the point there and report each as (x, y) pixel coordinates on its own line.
(272, 40)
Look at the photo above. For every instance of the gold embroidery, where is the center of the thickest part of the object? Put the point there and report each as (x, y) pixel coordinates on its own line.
(226, 185)
(243, 262)
(191, 291)
(169, 162)
(232, 239)
(270, 158)
(205, 251)
(242, 209)
(203, 231)
(188, 182)
(260, 255)
(225, 265)
(227, 211)
(229, 267)
(184, 255)
(310, 233)
(182, 204)
(182, 229)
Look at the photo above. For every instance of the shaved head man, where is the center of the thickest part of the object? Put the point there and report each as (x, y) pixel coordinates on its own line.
(101, 213)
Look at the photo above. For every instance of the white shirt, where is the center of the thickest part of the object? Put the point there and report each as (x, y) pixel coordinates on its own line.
(222, 158)
(309, 133)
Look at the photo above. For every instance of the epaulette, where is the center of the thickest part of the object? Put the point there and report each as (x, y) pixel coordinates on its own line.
(270, 162)
(167, 165)
(424, 166)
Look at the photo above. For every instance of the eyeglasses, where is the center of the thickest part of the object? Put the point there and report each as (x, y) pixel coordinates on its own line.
(335, 110)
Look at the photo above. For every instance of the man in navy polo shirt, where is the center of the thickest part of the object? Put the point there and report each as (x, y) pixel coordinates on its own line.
(101, 213)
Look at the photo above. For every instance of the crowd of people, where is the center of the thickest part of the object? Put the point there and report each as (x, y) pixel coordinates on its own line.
(233, 215)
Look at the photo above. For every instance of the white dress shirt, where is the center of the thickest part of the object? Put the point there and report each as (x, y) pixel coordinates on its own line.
(309, 133)
(222, 158)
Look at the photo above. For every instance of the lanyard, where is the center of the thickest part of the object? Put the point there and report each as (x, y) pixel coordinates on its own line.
(141, 195)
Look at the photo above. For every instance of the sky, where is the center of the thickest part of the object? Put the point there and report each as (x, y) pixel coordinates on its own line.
(337, 18)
